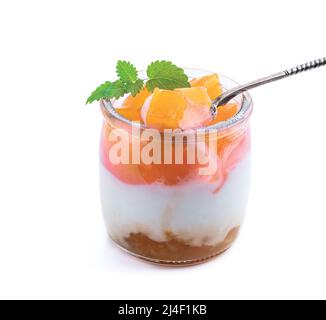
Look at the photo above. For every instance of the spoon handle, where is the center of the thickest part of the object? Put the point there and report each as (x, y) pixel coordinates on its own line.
(230, 94)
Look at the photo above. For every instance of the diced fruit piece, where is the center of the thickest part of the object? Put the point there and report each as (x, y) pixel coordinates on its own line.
(197, 95)
(137, 101)
(131, 114)
(131, 106)
(225, 112)
(164, 109)
(211, 83)
(197, 113)
(182, 108)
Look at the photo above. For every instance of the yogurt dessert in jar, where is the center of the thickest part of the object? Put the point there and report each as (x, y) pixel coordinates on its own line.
(174, 182)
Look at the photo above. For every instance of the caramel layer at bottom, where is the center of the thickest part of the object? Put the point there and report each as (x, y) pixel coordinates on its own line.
(175, 251)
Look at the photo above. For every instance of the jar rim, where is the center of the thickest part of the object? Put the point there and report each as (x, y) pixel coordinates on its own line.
(244, 113)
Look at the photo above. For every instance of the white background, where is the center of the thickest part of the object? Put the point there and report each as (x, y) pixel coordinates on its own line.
(54, 53)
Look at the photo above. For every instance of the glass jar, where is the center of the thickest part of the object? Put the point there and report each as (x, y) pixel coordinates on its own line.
(175, 198)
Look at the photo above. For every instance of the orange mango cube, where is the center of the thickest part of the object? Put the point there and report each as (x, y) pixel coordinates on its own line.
(211, 83)
(131, 106)
(197, 95)
(131, 114)
(137, 101)
(165, 109)
(225, 112)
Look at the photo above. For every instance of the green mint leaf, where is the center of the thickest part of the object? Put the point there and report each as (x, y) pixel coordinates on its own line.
(99, 92)
(129, 77)
(126, 72)
(116, 90)
(165, 75)
(135, 88)
(107, 90)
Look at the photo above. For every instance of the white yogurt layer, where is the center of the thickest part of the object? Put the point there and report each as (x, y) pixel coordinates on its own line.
(192, 212)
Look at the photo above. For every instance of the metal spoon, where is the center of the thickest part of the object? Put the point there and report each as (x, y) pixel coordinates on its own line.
(230, 94)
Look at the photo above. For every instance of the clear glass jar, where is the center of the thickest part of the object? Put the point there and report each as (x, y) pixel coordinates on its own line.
(172, 210)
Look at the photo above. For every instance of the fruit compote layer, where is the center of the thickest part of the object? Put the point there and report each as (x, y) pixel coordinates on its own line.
(171, 213)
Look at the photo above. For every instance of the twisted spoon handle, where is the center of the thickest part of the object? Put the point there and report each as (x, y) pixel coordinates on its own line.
(230, 94)
(305, 67)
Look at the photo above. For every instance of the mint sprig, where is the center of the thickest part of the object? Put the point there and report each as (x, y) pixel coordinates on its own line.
(161, 74)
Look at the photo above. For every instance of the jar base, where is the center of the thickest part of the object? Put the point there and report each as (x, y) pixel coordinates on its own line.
(167, 263)
(174, 252)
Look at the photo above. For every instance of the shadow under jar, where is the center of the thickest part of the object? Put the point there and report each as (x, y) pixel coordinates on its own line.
(169, 212)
